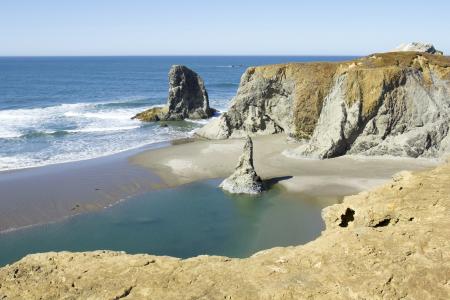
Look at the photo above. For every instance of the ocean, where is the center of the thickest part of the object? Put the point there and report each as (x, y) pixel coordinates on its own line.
(62, 109)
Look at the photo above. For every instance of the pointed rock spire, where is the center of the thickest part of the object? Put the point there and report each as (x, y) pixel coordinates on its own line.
(244, 180)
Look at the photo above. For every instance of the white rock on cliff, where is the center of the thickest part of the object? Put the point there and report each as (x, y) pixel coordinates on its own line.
(417, 47)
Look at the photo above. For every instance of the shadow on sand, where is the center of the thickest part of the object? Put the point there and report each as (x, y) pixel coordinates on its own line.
(269, 183)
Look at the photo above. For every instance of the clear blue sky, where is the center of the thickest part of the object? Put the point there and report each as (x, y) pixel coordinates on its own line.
(172, 27)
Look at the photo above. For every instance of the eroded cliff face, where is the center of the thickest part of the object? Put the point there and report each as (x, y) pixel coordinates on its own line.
(273, 99)
(388, 243)
(392, 103)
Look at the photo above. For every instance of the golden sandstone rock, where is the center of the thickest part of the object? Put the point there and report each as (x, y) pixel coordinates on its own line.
(393, 103)
(388, 243)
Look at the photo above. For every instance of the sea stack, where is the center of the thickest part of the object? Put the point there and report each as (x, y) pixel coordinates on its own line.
(188, 98)
(244, 180)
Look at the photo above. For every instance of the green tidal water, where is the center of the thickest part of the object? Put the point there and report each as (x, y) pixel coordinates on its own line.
(185, 221)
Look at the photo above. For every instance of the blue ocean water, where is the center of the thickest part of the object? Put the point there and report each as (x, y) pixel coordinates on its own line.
(61, 109)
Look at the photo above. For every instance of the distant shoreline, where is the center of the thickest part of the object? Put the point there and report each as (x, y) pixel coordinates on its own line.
(181, 55)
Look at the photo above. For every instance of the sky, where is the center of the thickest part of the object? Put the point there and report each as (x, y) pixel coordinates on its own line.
(227, 27)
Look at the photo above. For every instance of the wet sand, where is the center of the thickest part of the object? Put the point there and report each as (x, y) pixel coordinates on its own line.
(321, 180)
(50, 193)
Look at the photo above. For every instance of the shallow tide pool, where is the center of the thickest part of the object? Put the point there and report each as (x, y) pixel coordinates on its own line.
(185, 221)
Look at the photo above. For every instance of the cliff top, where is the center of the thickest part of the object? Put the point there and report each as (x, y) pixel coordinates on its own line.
(367, 78)
(402, 59)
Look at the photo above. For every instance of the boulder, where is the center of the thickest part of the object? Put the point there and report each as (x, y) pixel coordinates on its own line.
(188, 98)
(417, 47)
(244, 180)
(152, 115)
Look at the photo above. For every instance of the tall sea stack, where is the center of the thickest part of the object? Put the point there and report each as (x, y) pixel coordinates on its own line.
(188, 98)
(244, 180)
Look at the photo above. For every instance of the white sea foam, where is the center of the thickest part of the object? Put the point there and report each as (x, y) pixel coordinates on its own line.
(26, 141)
(80, 149)
(69, 117)
(8, 133)
(200, 121)
(31, 137)
(95, 129)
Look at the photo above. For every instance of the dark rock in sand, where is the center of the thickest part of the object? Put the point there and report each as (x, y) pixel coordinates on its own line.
(188, 98)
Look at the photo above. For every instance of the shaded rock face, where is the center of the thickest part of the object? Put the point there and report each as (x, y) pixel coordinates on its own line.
(389, 243)
(418, 47)
(244, 180)
(188, 98)
(383, 104)
(273, 99)
(409, 116)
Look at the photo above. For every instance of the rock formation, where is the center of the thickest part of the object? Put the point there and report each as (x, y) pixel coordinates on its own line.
(188, 98)
(389, 243)
(244, 180)
(389, 103)
(418, 47)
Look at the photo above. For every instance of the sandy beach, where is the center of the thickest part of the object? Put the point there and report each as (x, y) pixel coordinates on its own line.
(50, 193)
(321, 180)
(57, 191)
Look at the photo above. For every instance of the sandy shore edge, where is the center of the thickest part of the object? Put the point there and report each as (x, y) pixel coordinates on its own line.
(330, 179)
(59, 191)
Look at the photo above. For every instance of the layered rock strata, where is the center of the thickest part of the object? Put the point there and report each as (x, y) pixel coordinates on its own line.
(389, 103)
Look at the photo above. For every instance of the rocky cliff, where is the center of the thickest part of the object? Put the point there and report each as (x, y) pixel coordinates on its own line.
(389, 243)
(394, 103)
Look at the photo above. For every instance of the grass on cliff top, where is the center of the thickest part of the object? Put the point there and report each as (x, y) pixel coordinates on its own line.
(367, 78)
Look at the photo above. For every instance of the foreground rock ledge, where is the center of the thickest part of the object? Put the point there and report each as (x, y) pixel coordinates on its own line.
(418, 47)
(389, 243)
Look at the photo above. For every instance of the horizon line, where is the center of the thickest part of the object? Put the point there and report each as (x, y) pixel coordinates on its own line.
(188, 55)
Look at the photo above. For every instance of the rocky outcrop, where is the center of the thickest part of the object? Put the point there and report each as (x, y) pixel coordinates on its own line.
(188, 98)
(418, 47)
(388, 243)
(389, 103)
(244, 180)
(272, 99)
(396, 110)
